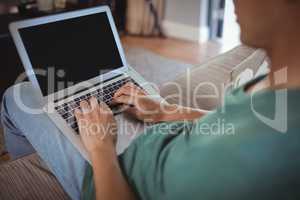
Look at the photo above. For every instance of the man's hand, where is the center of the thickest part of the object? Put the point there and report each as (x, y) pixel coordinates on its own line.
(146, 109)
(97, 126)
(137, 103)
(98, 131)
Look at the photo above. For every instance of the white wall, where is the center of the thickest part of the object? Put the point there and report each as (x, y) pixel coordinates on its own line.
(186, 19)
(183, 11)
(231, 34)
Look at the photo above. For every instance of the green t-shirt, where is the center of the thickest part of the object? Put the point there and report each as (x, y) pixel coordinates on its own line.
(247, 149)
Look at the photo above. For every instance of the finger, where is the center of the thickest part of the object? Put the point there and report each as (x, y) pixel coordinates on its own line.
(128, 100)
(136, 89)
(79, 118)
(78, 114)
(103, 107)
(94, 107)
(85, 107)
(130, 85)
(128, 89)
(123, 90)
(122, 93)
(94, 103)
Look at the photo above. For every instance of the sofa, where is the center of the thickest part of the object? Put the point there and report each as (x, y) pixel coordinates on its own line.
(29, 178)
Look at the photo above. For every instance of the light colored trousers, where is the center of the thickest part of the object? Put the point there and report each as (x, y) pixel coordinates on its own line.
(26, 133)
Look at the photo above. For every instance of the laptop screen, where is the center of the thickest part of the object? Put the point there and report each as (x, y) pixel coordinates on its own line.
(71, 51)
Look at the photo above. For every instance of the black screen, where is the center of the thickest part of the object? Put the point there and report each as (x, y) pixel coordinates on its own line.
(72, 50)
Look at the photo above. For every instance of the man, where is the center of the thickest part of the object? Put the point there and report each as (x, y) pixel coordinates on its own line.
(259, 161)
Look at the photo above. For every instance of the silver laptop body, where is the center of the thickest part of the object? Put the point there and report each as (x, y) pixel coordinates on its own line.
(91, 37)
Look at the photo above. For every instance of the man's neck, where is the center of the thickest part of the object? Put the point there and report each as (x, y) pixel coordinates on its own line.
(285, 58)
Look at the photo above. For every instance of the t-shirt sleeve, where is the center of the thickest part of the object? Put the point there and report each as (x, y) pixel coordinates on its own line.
(145, 161)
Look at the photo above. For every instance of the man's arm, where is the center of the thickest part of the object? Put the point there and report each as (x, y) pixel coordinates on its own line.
(177, 113)
(98, 130)
(144, 108)
(108, 178)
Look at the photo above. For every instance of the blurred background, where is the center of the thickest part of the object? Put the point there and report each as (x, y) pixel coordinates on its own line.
(189, 31)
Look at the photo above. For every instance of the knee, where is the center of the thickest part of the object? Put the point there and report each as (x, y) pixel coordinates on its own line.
(7, 99)
(11, 93)
(17, 95)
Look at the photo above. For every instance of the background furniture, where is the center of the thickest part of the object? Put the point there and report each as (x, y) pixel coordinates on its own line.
(29, 178)
(144, 17)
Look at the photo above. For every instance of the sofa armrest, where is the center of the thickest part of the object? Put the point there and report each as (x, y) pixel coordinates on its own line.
(253, 62)
(204, 86)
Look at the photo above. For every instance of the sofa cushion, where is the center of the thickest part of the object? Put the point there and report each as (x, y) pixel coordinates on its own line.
(204, 87)
(29, 178)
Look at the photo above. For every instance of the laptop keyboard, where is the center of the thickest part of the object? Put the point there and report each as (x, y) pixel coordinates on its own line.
(104, 94)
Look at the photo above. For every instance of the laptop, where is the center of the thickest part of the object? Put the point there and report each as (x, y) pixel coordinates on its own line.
(73, 56)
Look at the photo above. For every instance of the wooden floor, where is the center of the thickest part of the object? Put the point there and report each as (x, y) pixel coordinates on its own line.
(4, 158)
(189, 52)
